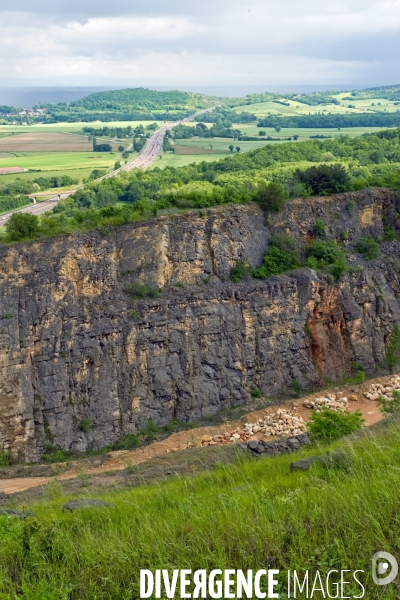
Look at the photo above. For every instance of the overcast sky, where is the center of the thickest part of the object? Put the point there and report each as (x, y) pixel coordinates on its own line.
(186, 42)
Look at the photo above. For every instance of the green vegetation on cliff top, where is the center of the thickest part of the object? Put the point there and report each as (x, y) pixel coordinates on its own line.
(311, 168)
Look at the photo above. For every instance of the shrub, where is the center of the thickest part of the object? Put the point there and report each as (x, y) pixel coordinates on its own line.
(240, 271)
(85, 425)
(392, 351)
(328, 425)
(320, 227)
(325, 252)
(358, 377)
(389, 235)
(256, 392)
(127, 442)
(272, 196)
(296, 388)
(339, 268)
(368, 247)
(389, 407)
(22, 226)
(5, 458)
(139, 290)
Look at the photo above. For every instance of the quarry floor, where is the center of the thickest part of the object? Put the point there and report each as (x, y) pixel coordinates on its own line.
(180, 453)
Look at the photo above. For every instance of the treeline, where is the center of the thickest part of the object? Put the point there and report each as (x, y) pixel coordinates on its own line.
(387, 92)
(183, 132)
(329, 121)
(11, 203)
(28, 186)
(119, 132)
(220, 114)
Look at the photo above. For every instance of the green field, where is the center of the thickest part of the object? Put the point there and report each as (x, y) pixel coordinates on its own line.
(303, 133)
(77, 165)
(262, 109)
(69, 127)
(370, 104)
(244, 515)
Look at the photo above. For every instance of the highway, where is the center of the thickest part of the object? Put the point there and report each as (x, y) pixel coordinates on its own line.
(149, 153)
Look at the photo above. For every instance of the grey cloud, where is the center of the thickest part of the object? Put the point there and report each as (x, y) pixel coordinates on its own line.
(215, 40)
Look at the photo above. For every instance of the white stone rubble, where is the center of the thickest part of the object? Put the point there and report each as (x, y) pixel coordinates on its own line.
(336, 402)
(376, 390)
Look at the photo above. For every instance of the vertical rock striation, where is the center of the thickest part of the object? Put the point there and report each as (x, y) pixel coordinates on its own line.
(71, 347)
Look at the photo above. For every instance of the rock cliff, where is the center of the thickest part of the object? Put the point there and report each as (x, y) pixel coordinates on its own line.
(81, 363)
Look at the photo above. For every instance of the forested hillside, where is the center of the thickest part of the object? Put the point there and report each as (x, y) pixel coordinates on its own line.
(129, 104)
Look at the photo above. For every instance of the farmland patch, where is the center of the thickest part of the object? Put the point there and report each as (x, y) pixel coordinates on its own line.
(46, 142)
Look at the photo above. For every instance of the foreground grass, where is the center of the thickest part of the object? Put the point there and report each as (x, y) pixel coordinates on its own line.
(248, 515)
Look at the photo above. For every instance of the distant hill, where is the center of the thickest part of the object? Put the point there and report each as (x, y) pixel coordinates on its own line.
(144, 104)
(388, 92)
(144, 100)
(129, 105)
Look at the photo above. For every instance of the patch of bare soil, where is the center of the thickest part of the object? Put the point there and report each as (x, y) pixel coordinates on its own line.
(182, 452)
(48, 142)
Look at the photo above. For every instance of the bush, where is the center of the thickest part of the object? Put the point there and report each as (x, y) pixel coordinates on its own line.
(328, 425)
(389, 407)
(127, 442)
(272, 197)
(320, 227)
(392, 352)
(256, 392)
(5, 458)
(22, 226)
(367, 246)
(139, 290)
(276, 261)
(359, 375)
(326, 253)
(240, 271)
(389, 235)
(85, 425)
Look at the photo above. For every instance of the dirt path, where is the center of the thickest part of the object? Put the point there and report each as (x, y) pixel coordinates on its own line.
(181, 441)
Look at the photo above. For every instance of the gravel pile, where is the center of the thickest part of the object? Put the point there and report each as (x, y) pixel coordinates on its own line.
(336, 402)
(376, 390)
(282, 423)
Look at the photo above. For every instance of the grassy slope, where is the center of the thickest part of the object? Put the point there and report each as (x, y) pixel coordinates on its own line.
(248, 515)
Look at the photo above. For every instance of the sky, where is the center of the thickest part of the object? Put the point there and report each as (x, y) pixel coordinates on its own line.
(203, 42)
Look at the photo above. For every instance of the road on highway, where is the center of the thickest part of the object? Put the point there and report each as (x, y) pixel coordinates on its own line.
(149, 153)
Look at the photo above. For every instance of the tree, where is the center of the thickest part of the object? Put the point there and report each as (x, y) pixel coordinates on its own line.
(262, 132)
(237, 148)
(392, 353)
(272, 196)
(121, 148)
(117, 165)
(231, 148)
(277, 128)
(324, 179)
(21, 226)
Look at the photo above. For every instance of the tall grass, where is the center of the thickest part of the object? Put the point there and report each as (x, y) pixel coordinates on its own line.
(248, 515)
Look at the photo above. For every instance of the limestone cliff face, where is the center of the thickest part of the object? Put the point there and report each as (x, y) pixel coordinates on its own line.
(71, 347)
